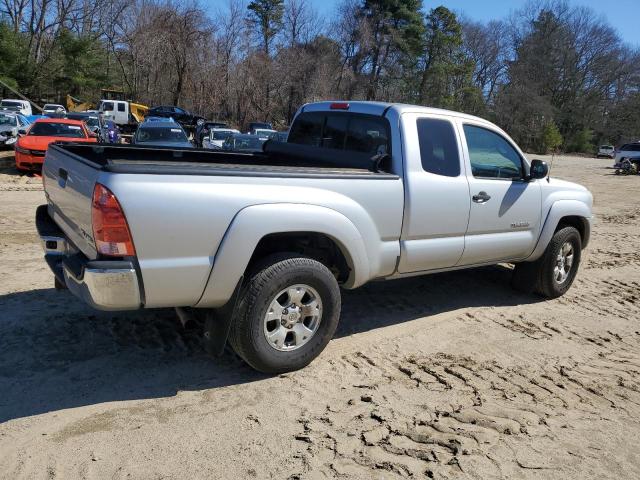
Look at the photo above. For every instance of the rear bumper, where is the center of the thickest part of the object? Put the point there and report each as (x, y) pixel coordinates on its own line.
(103, 284)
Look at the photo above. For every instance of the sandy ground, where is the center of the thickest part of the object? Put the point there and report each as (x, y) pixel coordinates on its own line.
(445, 376)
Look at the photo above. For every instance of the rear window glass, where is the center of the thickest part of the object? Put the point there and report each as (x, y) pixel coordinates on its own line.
(438, 147)
(343, 131)
(160, 134)
(221, 135)
(56, 130)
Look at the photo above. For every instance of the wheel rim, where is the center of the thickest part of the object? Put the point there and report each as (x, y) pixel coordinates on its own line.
(564, 262)
(293, 317)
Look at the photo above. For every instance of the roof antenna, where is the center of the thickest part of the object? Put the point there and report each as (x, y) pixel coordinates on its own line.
(553, 158)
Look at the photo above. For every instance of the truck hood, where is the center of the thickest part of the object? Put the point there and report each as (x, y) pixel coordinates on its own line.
(556, 189)
(558, 184)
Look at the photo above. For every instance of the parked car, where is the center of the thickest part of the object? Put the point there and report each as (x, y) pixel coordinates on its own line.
(180, 115)
(10, 126)
(243, 143)
(628, 151)
(260, 243)
(202, 131)
(32, 145)
(217, 136)
(106, 129)
(161, 134)
(607, 151)
(22, 106)
(53, 108)
(264, 133)
(253, 126)
(280, 137)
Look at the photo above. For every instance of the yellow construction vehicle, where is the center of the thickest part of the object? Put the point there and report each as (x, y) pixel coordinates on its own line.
(76, 105)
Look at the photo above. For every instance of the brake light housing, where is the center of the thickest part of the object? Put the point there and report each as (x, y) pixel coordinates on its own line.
(339, 106)
(110, 229)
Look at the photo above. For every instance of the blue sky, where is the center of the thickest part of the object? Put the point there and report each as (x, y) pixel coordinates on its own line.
(621, 14)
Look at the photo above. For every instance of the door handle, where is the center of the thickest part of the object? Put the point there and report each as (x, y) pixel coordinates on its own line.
(64, 175)
(481, 197)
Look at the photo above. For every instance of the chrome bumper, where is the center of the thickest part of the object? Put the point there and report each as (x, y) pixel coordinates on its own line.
(103, 284)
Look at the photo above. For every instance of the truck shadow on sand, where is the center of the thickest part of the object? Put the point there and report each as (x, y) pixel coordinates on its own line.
(56, 353)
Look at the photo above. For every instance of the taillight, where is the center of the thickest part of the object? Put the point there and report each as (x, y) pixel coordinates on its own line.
(110, 230)
(339, 106)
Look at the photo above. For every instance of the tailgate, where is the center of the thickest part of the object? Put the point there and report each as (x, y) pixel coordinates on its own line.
(68, 185)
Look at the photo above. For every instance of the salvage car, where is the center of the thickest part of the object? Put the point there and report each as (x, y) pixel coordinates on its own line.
(53, 108)
(107, 130)
(32, 146)
(10, 126)
(259, 244)
(606, 151)
(243, 143)
(161, 134)
(627, 151)
(180, 115)
(217, 136)
(22, 106)
(203, 129)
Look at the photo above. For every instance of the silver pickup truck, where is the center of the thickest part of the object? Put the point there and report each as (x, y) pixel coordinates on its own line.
(259, 244)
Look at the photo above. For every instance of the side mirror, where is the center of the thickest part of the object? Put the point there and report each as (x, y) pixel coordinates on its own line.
(539, 169)
(22, 131)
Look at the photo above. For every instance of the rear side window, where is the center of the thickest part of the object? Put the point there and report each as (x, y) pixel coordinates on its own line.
(121, 107)
(307, 129)
(438, 147)
(343, 131)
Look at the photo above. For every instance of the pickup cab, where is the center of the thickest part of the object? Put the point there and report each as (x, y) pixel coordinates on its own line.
(259, 244)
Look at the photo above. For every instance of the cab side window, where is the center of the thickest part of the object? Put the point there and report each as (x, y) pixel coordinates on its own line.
(491, 155)
(121, 107)
(438, 147)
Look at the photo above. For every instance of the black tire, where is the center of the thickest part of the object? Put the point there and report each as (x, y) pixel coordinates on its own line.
(539, 276)
(274, 274)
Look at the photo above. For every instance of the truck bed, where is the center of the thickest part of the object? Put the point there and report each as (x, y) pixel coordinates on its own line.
(278, 159)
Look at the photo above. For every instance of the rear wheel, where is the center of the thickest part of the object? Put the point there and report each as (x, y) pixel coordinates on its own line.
(287, 312)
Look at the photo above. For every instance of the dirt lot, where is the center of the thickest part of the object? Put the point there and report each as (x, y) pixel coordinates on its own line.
(446, 376)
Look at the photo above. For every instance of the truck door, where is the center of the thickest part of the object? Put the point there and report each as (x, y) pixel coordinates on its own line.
(505, 216)
(436, 194)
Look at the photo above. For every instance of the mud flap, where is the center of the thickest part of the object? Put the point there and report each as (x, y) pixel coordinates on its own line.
(217, 324)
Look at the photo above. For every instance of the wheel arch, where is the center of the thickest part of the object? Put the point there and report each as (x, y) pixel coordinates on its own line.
(564, 213)
(256, 230)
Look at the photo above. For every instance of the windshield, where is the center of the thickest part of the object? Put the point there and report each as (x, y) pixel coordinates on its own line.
(161, 134)
(11, 103)
(7, 119)
(221, 135)
(56, 130)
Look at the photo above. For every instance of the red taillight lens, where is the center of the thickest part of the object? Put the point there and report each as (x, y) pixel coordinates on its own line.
(110, 230)
(339, 106)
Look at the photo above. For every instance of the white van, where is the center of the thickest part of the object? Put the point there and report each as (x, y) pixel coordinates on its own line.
(25, 107)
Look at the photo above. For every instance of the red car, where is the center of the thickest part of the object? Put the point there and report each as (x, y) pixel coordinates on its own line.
(30, 148)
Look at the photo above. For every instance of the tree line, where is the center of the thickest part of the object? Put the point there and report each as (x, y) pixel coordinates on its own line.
(554, 75)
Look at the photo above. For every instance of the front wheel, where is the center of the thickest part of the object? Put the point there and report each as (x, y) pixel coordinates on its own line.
(553, 273)
(287, 312)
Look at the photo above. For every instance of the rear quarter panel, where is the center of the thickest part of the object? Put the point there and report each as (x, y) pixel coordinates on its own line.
(178, 222)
